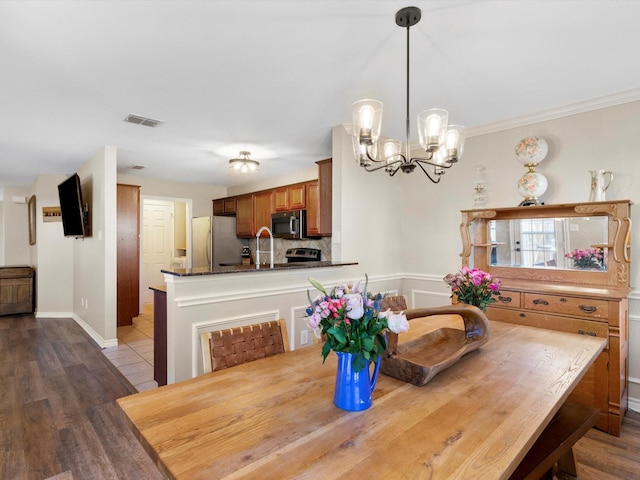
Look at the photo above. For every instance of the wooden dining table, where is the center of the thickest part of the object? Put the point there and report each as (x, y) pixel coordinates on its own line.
(274, 418)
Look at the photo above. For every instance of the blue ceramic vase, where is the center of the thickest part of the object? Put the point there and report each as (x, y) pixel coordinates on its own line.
(354, 389)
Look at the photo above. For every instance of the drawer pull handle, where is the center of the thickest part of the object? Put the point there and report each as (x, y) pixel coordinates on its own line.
(522, 315)
(563, 300)
(587, 309)
(504, 299)
(591, 334)
(537, 301)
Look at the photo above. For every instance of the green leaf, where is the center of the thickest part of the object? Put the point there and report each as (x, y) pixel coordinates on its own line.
(358, 363)
(317, 284)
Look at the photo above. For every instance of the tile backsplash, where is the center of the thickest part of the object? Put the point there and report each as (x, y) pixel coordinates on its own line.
(281, 245)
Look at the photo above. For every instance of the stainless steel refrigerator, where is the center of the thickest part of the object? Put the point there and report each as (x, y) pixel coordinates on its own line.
(214, 242)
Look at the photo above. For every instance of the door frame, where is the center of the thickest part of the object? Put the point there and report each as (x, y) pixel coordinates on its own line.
(143, 198)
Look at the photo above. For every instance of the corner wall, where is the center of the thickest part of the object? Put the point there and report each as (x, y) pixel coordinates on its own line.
(603, 138)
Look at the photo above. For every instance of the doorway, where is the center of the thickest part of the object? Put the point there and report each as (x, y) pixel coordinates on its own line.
(164, 241)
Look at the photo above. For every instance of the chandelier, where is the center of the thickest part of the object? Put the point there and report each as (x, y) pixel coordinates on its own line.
(244, 165)
(442, 143)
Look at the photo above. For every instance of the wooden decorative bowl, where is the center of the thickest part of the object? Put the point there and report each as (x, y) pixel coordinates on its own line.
(420, 358)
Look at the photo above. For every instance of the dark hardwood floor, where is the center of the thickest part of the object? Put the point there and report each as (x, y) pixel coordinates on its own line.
(57, 412)
(58, 418)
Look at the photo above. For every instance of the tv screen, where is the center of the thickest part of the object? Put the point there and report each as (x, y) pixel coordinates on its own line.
(72, 207)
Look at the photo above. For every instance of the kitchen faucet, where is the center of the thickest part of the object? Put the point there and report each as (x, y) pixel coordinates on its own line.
(268, 230)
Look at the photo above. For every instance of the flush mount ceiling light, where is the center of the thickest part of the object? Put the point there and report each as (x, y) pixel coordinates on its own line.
(443, 144)
(244, 165)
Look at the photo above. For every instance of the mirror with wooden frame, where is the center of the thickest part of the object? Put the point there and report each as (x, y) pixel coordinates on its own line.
(585, 243)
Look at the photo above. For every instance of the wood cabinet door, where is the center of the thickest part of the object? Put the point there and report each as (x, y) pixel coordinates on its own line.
(280, 199)
(224, 206)
(297, 197)
(325, 186)
(244, 216)
(218, 207)
(261, 211)
(128, 248)
(313, 209)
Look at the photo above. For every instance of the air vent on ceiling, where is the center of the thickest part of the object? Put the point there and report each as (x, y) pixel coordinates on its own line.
(137, 119)
(137, 167)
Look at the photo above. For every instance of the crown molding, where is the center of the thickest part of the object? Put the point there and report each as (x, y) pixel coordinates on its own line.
(560, 112)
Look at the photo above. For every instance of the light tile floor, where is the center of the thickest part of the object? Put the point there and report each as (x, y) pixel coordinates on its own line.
(133, 356)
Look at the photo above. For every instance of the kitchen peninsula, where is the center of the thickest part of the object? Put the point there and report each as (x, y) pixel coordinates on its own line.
(201, 299)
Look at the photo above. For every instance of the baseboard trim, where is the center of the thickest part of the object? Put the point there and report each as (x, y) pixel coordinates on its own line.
(102, 343)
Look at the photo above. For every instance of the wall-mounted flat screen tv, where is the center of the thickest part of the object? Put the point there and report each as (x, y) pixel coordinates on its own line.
(73, 210)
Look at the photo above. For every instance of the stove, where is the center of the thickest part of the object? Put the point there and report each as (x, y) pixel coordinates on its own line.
(303, 255)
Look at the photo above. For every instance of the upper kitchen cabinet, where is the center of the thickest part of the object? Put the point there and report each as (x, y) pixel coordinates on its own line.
(244, 216)
(289, 197)
(319, 202)
(224, 206)
(261, 211)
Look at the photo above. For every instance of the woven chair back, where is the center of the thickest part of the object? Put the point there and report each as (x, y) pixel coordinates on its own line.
(233, 346)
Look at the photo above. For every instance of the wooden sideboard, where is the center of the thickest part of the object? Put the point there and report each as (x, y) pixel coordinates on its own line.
(16, 290)
(556, 295)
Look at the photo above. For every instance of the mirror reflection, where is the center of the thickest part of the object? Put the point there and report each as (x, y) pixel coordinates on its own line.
(556, 243)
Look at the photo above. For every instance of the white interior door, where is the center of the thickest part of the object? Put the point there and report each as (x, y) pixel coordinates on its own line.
(157, 250)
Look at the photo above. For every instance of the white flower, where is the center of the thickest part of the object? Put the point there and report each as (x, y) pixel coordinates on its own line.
(398, 323)
(355, 306)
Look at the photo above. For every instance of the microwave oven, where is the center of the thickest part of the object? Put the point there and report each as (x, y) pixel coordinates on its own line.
(289, 224)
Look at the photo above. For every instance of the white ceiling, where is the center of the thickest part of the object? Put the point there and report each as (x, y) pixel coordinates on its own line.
(273, 77)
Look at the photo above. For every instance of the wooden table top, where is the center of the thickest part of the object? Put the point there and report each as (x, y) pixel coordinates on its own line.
(275, 419)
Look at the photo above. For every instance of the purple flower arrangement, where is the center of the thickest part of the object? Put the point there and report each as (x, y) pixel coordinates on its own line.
(350, 320)
(587, 258)
(474, 287)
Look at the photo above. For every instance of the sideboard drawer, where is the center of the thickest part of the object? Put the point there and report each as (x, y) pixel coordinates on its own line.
(581, 307)
(509, 298)
(551, 322)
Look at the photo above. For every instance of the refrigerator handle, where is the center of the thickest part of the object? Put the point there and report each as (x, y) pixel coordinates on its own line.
(209, 249)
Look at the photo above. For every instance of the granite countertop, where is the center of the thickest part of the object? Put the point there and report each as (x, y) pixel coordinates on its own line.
(190, 272)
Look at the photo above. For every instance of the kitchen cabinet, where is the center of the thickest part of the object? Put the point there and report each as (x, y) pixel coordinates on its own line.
(319, 202)
(261, 211)
(244, 216)
(16, 290)
(289, 197)
(555, 293)
(224, 206)
(313, 209)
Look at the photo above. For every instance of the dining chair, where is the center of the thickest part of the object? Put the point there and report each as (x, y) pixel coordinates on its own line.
(397, 303)
(233, 346)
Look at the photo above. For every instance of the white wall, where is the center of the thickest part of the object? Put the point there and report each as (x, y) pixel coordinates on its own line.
(297, 176)
(52, 255)
(200, 194)
(94, 278)
(16, 227)
(368, 211)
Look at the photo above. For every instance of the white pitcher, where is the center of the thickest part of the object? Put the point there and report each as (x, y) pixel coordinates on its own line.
(600, 181)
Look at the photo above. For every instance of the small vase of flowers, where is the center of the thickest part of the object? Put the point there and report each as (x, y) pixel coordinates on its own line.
(587, 258)
(350, 320)
(474, 287)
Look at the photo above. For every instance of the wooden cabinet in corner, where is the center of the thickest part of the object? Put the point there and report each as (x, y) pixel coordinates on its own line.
(224, 206)
(319, 202)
